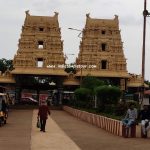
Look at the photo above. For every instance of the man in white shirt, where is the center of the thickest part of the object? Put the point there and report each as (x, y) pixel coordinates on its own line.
(130, 117)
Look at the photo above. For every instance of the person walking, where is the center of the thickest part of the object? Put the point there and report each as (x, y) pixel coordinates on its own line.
(43, 114)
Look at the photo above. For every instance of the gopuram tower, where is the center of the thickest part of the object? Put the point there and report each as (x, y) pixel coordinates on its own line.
(40, 48)
(101, 51)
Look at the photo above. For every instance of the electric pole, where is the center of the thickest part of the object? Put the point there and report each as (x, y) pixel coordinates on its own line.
(145, 15)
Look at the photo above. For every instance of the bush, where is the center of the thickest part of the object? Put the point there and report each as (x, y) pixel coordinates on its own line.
(135, 103)
(90, 82)
(107, 95)
(121, 109)
(83, 97)
(110, 109)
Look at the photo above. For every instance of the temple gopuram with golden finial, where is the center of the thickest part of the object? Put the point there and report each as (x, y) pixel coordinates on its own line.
(101, 51)
(40, 47)
(40, 52)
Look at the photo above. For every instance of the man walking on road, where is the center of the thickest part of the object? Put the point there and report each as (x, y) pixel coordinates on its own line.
(43, 115)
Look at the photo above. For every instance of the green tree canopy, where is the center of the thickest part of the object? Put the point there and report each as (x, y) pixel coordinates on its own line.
(71, 68)
(82, 94)
(83, 97)
(108, 94)
(91, 82)
(6, 64)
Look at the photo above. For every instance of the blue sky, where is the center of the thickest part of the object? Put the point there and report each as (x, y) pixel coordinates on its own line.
(72, 13)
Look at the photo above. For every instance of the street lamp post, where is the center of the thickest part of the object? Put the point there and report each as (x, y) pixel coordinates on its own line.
(68, 54)
(80, 53)
(76, 30)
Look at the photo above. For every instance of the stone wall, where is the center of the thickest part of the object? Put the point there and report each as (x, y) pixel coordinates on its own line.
(110, 125)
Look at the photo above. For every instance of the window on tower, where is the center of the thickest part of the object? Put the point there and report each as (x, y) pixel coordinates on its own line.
(41, 29)
(40, 44)
(103, 64)
(103, 32)
(40, 62)
(103, 46)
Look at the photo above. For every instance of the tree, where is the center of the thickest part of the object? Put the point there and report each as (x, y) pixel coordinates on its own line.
(91, 82)
(83, 97)
(6, 64)
(71, 68)
(107, 96)
(85, 94)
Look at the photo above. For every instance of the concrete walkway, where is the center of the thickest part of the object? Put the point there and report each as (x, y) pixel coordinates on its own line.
(53, 139)
(63, 132)
(89, 137)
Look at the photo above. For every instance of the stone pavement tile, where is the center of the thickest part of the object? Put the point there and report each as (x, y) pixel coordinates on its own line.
(53, 139)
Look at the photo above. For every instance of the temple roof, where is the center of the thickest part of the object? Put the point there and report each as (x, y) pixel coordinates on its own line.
(39, 71)
(101, 22)
(137, 84)
(6, 78)
(52, 21)
(100, 73)
(135, 81)
(71, 80)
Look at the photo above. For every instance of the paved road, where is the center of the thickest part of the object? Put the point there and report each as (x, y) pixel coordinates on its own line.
(89, 137)
(16, 135)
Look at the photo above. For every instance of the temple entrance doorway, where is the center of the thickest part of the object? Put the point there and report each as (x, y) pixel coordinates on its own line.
(32, 89)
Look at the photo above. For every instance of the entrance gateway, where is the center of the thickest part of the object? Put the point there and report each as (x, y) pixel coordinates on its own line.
(40, 55)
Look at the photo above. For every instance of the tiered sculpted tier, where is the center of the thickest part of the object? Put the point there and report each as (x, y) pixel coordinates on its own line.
(101, 49)
(40, 48)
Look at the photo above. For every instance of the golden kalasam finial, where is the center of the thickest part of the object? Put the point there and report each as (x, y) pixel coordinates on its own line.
(27, 12)
(56, 13)
(116, 17)
(88, 15)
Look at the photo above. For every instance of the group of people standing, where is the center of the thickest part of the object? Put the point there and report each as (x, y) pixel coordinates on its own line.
(132, 116)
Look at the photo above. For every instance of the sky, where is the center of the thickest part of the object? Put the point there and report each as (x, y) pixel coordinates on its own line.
(72, 14)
